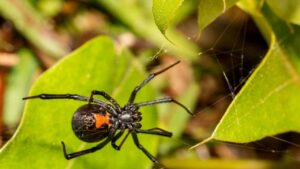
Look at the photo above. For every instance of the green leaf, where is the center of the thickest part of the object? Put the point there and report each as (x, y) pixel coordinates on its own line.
(164, 12)
(288, 10)
(209, 10)
(48, 122)
(268, 103)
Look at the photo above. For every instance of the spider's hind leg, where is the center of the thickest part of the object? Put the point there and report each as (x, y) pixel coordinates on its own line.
(141, 147)
(90, 150)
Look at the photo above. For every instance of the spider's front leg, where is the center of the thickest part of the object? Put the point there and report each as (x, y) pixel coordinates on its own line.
(145, 81)
(58, 96)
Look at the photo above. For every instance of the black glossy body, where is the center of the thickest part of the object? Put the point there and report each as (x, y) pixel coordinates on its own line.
(83, 123)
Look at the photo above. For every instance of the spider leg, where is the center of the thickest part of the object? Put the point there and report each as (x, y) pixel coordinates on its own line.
(106, 96)
(163, 100)
(113, 141)
(150, 77)
(137, 143)
(62, 96)
(58, 96)
(87, 151)
(155, 131)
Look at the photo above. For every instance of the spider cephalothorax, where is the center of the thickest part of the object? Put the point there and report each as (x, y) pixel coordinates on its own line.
(98, 120)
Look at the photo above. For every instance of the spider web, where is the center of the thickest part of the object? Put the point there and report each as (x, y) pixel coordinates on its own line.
(232, 47)
(236, 63)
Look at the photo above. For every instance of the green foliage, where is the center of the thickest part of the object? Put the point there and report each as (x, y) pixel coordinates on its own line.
(267, 104)
(164, 11)
(47, 122)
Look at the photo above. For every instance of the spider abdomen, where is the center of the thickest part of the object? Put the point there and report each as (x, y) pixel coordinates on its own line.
(91, 123)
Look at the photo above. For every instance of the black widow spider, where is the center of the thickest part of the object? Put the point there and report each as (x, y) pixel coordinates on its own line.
(97, 120)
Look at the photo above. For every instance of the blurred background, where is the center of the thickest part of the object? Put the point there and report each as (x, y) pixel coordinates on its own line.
(35, 34)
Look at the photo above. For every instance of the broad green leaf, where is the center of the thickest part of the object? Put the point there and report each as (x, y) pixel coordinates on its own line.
(209, 10)
(268, 103)
(164, 12)
(46, 123)
(288, 10)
